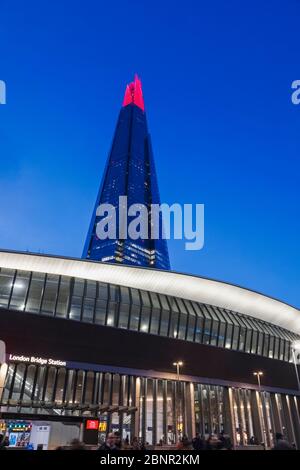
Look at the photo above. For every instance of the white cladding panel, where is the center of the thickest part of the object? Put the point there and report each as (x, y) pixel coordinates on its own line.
(186, 286)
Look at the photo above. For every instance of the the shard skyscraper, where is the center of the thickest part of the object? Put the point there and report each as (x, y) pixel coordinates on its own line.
(130, 172)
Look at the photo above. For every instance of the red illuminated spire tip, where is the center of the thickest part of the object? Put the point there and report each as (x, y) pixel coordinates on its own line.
(134, 94)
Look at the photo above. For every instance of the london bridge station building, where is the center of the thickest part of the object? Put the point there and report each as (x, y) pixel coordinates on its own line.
(88, 341)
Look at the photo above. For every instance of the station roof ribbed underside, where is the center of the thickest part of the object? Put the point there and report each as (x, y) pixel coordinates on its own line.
(186, 286)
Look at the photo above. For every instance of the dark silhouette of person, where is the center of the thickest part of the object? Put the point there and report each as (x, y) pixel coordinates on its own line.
(281, 443)
(198, 442)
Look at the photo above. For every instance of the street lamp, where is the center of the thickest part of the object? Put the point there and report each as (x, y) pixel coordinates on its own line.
(296, 348)
(178, 364)
(258, 374)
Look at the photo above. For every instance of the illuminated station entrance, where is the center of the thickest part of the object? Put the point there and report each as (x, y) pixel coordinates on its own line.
(94, 347)
(47, 404)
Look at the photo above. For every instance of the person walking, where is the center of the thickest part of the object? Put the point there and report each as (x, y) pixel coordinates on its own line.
(110, 443)
(198, 443)
(281, 443)
(184, 443)
(76, 444)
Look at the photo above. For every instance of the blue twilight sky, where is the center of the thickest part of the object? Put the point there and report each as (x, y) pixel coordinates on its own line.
(217, 84)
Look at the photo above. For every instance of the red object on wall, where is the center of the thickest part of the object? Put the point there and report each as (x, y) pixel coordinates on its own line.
(92, 424)
(134, 94)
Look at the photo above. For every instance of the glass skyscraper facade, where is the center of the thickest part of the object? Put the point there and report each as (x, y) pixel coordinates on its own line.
(130, 172)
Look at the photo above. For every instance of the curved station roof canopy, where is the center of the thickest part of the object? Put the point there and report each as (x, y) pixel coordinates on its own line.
(186, 286)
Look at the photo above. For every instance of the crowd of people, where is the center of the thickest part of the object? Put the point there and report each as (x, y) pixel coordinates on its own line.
(220, 441)
(214, 442)
(114, 443)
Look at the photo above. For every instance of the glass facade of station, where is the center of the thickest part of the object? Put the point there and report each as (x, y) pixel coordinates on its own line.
(144, 311)
(152, 408)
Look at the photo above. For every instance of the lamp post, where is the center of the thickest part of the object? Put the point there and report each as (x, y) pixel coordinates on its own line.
(259, 374)
(178, 364)
(295, 348)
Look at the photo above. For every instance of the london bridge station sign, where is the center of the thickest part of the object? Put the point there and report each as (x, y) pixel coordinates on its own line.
(36, 360)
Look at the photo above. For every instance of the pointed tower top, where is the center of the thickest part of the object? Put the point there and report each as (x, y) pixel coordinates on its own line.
(134, 94)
